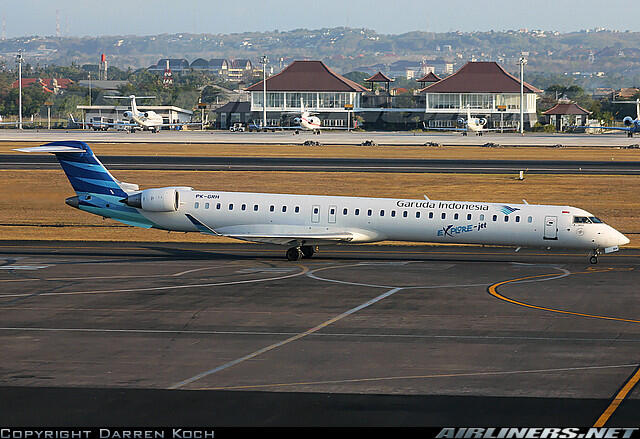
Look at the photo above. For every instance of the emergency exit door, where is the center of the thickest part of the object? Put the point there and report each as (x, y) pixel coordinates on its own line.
(551, 227)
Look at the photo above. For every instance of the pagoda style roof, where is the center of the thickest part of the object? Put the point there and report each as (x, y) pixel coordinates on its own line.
(480, 77)
(308, 76)
(430, 77)
(379, 77)
(566, 108)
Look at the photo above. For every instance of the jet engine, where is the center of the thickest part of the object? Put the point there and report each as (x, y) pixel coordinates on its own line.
(127, 114)
(460, 122)
(628, 121)
(483, 121)
(145, 114)
(166, 199)
(297, 120)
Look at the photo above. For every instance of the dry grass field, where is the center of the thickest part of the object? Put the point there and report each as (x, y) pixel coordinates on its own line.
(407, 152)
(36, 198)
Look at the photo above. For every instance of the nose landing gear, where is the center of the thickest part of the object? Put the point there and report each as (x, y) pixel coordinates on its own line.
(593, 258)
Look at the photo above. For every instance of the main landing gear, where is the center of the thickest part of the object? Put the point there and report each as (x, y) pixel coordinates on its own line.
(304, 251)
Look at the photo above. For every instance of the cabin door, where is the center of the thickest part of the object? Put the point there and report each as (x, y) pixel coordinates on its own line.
(551, 227)
(332, 214)
(315, 214)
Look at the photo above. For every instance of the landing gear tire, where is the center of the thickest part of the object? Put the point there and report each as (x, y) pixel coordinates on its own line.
(593, 259)
(307, 251)
(294, 254)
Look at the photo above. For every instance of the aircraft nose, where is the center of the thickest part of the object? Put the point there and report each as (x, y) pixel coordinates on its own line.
(622, 240)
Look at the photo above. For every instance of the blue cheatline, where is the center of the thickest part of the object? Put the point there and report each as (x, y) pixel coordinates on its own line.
(85, 172)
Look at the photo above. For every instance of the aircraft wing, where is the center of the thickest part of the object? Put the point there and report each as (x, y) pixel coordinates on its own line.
(275, 234)
(608, 128)
(447, 129)
(499, 129)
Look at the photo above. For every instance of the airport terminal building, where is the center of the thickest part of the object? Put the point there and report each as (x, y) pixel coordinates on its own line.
(485, 88)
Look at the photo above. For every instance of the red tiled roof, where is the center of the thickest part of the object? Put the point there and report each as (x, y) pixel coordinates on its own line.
(26, 82)
(308, 76)
(379, 77)
(567, 108)
(480, 77)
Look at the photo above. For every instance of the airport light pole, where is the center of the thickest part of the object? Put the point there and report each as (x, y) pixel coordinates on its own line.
(264, 60)
(523, 61)
(19, 60)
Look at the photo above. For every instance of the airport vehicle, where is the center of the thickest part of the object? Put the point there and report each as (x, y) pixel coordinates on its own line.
(237, 127)
(470, 124)
(303, 222)
(140, 120)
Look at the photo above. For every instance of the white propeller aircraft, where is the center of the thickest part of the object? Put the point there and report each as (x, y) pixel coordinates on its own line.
(470, 124)
(302, 222)
(142, 120)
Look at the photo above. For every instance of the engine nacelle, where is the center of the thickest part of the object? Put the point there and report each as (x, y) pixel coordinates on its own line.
(127, 114)
(166, 199)
(297, 120)
(483, 122)
(460, 122)
(628, 121)
(145, 114)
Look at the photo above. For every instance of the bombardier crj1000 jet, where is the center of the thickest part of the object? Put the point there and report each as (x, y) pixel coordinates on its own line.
(303, 222)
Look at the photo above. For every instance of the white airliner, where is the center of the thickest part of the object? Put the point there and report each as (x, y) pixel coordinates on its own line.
(470, 124)
(631, 125)
(302, 222)
(142, 120)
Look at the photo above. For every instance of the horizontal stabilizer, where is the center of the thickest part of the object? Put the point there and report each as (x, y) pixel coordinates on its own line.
(52, 149)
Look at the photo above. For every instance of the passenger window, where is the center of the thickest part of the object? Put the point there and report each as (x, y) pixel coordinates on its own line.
(393, 213)
(404, 214)
(206, 205)
(297, 209)
(244, 207)
(272, 208)
(218, 206)
(430, 215)
(284, 209)
(530, 219)
(517, 219)
(455, 217)
(482, 217)
(357, 212)
(230, 206)
(344, 211)
(444, 215)
(417, 214)
(369, 212)
(255, 207)
(506, 219)
(382, 213)
(469, 217)
(196, 205)
(495, 217)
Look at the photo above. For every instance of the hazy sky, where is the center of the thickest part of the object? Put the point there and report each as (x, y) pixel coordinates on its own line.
(145, 17)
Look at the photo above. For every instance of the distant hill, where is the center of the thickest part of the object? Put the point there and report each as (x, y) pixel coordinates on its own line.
(584, 53)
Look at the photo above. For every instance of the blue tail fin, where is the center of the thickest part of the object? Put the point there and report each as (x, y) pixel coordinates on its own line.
(83, 169)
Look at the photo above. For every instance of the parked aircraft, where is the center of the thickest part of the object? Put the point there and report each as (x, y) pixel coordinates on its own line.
(303, 120)
(470, 124)
(631, 125)
(140, 120)
(303, 222)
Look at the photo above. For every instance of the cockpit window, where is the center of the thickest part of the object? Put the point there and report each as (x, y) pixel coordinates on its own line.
(581, 220)
(596, 220)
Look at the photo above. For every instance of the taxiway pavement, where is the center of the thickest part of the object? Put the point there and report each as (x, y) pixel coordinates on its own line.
(235, 335)
(397, 138)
